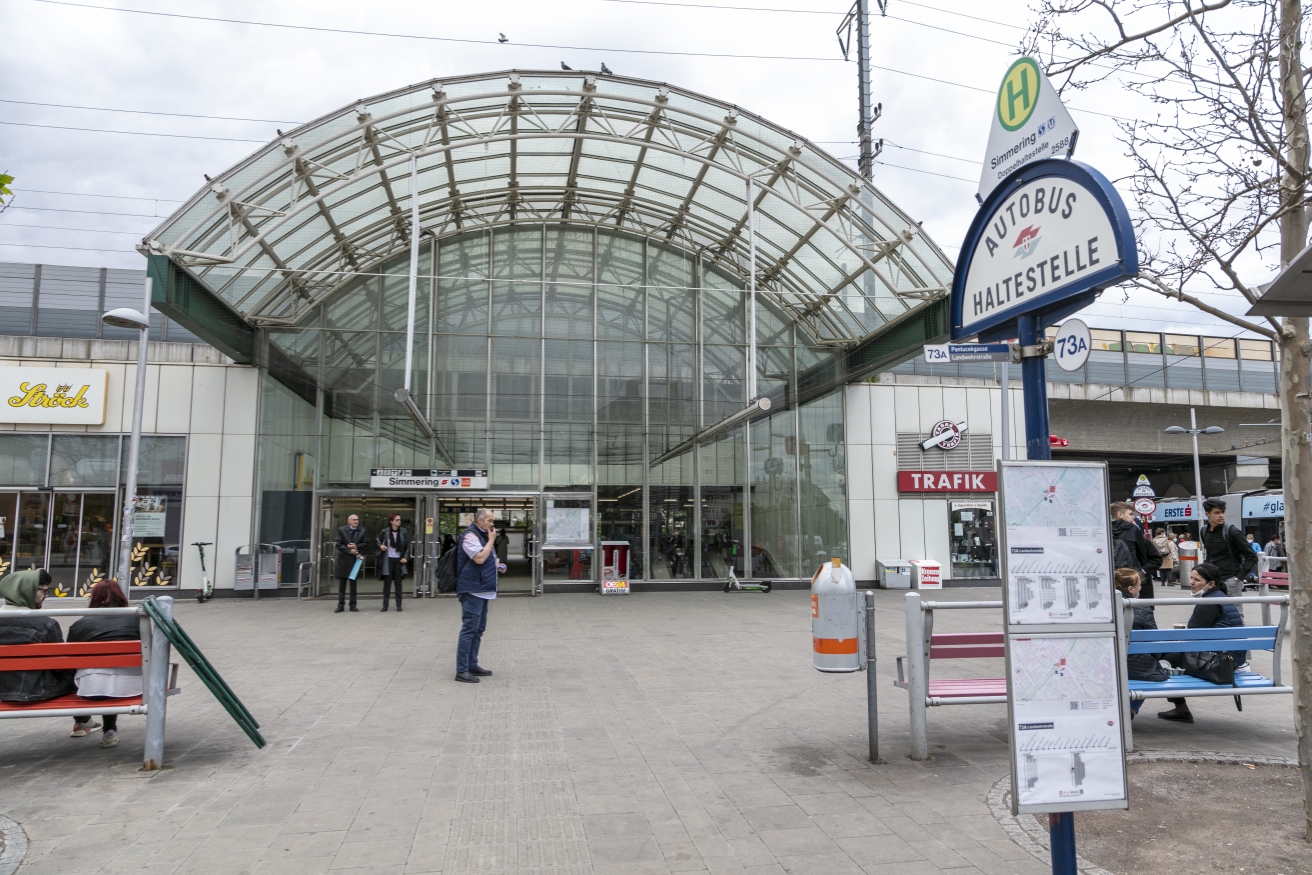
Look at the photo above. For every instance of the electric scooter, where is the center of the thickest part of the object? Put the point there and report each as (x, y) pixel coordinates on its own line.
(732, 583)
(206, 591)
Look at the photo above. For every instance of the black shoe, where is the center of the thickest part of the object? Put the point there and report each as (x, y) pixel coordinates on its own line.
(384, 607)
(340, 608)
(481, 672)
(398, 606)
(354, 609)
(1177, 715)
(466, 677)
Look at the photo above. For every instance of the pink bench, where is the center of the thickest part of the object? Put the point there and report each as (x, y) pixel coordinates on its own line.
(923, 647)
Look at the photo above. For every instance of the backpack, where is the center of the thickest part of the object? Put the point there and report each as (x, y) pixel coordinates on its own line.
(447, 573)
(1122, 555)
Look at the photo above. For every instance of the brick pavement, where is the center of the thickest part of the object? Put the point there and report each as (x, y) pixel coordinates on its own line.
(657, 733)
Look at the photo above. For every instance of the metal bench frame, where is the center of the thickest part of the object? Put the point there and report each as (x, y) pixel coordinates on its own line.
(159, 677)
(924, 693)
(1265, 637)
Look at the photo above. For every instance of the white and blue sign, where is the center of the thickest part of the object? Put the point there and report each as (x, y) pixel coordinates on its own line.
(1071, 345)
(1046, 240)
(1263, 507)
(1176, 512)
(945, 353)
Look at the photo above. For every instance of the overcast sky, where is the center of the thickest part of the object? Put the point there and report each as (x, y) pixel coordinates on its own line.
(85, 197)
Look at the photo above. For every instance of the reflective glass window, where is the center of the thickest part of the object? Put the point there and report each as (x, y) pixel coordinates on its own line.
(84, 460)
(23, 459)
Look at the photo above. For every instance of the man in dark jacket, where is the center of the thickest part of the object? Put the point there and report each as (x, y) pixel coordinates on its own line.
(476, 585)
(1142, 555)
(1227, 548)
(27, 590)
(349, 546)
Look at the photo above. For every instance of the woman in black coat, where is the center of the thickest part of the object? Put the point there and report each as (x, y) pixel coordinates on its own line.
(1205, 582)
(393, 556)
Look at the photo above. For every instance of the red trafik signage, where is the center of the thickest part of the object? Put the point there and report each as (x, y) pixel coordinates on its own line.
(947, 481)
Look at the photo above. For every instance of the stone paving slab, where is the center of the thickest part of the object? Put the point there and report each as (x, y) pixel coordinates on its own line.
(655, 733)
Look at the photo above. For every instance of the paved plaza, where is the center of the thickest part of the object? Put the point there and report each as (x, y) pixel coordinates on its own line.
(655, 733)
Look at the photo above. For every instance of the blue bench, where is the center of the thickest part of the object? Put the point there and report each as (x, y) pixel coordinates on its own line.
(1200, 641)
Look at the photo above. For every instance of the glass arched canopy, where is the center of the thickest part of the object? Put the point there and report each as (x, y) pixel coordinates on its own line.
(281, 232)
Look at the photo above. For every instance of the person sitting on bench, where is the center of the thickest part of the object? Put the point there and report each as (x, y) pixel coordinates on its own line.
(105, 683)
(1140, 666)
(1206, 583)
(26, 590)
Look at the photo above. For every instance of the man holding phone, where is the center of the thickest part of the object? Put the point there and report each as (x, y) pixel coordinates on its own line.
(476, 585)
(349, 543)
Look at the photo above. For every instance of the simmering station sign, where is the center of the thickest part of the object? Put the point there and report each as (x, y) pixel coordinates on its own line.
(427, 478)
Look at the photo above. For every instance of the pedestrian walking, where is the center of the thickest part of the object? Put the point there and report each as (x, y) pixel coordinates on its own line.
(393, 553)
(348, 546)
(1226, 547)
(1274, 547)
(1170, 553)
(1130, 549)
(476, 586)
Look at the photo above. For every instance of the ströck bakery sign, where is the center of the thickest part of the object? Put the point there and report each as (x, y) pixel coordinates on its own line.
(53, 396)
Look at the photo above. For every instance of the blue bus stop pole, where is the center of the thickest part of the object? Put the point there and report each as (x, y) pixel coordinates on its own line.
(1034, 380)
(1061, 835)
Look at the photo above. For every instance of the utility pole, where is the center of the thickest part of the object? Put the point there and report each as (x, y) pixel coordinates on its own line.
(1295, 404)
(860, 16)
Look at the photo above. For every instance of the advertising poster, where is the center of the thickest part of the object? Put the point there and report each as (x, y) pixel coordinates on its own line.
(149, 516)
(568, 526)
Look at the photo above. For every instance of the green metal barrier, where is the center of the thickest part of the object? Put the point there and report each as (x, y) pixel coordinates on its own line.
(199, 664)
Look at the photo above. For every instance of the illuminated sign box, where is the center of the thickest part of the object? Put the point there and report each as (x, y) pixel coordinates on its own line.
(53, 396)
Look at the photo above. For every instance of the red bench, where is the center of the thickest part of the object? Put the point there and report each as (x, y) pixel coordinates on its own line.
(923, 647)
(71, 656)
(1275, 578)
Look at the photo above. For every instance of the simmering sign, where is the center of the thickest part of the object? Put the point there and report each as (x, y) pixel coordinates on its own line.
(426, 478)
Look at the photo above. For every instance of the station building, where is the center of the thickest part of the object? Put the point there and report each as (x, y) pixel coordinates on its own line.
(579, 330)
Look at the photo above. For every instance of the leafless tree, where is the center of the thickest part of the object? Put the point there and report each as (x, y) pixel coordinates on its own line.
(1219, 176)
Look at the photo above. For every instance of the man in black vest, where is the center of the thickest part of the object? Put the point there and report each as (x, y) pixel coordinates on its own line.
(476, 586)
(349, 544)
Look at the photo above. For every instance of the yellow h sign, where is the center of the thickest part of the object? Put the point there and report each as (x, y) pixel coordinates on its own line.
(1019, 94)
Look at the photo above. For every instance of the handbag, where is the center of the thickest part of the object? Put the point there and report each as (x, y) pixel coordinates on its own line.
(1216, 667)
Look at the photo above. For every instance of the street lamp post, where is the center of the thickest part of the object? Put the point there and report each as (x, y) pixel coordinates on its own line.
(126, 317)
(1194, 431)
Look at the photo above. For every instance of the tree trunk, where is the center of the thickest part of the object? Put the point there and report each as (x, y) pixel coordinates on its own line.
(1295, 397)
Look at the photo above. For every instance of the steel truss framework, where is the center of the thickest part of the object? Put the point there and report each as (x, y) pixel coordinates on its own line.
(283, 230)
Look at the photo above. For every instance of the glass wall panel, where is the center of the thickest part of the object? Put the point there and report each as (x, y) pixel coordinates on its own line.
(96, 544)
(621, 298)
(33, 514)
(567, 381)
(671, 386)
(462, 287)
(567, 455)
(723, 467)
(672, 304)
(348, 445)
(724, 388)
(23, 459)
(356, 309)
(516, 366)
(8, 530)
(84, 460)
(619, 518)
(822, 475)
(163, 461)
(670, 507)
(515, 448)
(723, 310)
(396, 292)
(620, 456)
(774, 497)
(517, 284)
(460, 371)
(65, 522)
(774, 373)
(569, 284)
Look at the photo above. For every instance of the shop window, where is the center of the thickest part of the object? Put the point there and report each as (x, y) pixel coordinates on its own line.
(973, 539)
(84, 460)
(23, 459)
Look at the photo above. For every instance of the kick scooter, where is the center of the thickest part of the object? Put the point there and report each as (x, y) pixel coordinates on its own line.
(732, 583)
(206, 591)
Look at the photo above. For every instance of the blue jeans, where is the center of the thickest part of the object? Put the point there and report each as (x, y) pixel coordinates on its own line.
(473, 620)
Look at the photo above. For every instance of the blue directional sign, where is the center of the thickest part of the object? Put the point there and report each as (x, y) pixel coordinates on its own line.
(944, 353)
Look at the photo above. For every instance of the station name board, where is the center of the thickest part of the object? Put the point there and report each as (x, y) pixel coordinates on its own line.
(427, 478)
(947, 481)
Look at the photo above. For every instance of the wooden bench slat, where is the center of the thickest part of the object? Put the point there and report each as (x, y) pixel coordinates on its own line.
(70, 701)
(73, 648)
(966, 638)
(959, 688)
(966, 652)
(57, 663)
(1183, 683)
(1248, 632)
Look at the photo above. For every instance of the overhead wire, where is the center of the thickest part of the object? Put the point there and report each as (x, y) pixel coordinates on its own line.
(224, 118)
(132, 133)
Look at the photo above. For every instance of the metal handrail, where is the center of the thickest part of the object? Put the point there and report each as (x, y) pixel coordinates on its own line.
(304, 583)
(940, 606)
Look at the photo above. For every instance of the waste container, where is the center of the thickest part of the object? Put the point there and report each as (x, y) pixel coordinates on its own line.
(1188, 559)
(926, 574)
(835, 622)
(894, 573)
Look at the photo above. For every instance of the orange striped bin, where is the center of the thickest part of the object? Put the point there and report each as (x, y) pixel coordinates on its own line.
(835, 624)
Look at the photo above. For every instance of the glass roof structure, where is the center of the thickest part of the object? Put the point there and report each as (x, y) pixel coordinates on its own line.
(284, 229)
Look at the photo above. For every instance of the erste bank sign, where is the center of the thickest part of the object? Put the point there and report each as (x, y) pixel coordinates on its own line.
(53, 396)
(1043, 243)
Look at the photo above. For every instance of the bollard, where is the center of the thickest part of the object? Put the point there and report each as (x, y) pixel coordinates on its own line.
(916, 691)
(872, 692)
(156, 685)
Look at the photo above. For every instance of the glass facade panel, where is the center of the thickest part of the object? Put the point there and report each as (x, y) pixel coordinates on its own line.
(619, 518)
(822, 468)
(23, 459)
(84, 460)
(723, 467)
(774, 497)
